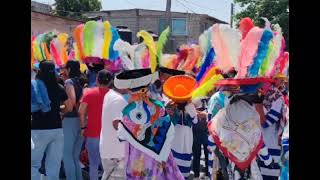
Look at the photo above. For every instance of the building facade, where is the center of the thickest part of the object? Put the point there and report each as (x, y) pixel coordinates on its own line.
(40, 7)
(186, 27)
(43, 22)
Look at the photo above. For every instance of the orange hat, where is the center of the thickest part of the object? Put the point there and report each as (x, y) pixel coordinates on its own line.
(179, 88)
(281, 76)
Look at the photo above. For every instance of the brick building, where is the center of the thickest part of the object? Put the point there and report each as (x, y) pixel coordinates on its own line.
(186, 27)
(42, 22)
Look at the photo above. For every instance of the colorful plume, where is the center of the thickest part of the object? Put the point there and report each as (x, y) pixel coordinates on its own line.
(279, 58)
(193, 55)
(78, 37)
(148, 40)
(107, 40)
(226, 43)
(113, 55)
(207, 62)
(206, 87)
(162, 41)
(125, 50)
(261, 53)
(266, 60)
(278, 49)
(249, 47)
(245, 25)
(88, 37)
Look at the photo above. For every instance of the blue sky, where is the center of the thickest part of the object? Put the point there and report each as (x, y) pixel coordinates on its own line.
(217, 8)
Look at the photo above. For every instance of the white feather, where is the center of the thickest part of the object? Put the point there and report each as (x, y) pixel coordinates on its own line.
(232, 38)
(138, 50)
(98, 40)
(277, 41)
(165, 59)
(124, 49)
(267, 23)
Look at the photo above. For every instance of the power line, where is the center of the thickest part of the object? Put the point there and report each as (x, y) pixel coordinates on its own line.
(132, 4)
(186, 7)
(203, 7)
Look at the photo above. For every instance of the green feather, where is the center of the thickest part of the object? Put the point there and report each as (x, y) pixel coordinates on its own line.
(266, 60)
(48, 37)
(162, 41)
(88, 37)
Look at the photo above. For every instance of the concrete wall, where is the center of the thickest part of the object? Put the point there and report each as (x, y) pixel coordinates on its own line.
(41, 23)
(138, 19)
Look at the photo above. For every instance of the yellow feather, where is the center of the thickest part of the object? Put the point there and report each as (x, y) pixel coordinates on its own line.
(206, 87)
(76, 51)
(148, 40)
(63, 38)
(107, 40)
(36, 50)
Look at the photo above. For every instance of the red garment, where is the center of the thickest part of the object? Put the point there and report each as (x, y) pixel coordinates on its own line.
(93, 97)
(286, 100)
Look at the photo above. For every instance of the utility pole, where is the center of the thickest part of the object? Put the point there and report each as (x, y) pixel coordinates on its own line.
(168, 24)
(232, 12)
(168, 13)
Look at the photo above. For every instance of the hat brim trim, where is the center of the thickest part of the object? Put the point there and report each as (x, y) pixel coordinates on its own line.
(173, 72)
(135, 82)
(245, 81)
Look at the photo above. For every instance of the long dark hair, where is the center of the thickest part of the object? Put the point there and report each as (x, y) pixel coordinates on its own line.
(48, 75)
(74, 67)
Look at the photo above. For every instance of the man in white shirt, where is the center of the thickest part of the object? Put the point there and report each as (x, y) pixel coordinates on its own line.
(111, 149)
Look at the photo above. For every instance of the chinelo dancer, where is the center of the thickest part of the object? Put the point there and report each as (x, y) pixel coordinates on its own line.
(236, 129)
(144, 126)
(182, 111)
(275, 109)
(94, 42)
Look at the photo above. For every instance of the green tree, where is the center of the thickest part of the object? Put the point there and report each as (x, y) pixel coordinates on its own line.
(76, 8)
(276, 11)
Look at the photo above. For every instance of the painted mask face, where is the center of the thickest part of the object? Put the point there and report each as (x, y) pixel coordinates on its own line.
(138, 112)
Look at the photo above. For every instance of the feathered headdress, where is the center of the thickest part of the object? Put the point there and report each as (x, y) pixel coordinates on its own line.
(255, 57)
(149, 42)
(94, 42)
(59, 49)
(162, 41)
(140, 62)
(140, 56)
(226, 43)
(41, 46)
(245, 25)
(208, 54)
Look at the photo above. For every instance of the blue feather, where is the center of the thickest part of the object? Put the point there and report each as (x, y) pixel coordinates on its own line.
(113, 55)
(207, 62)
(261, 53)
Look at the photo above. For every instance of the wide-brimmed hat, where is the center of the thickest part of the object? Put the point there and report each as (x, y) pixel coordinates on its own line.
(179, 88)
(244, 85)
(132, 79)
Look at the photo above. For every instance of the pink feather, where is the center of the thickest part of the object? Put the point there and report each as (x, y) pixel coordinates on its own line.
(284, 61)
(248, 50)
(222, 53)
(277, 63)
(145, 60)
(55, 54)
(71, 55)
